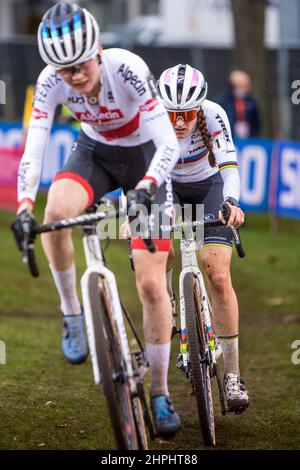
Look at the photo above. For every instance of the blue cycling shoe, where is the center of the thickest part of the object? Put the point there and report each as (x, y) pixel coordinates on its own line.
(74, 343)
(166, 420)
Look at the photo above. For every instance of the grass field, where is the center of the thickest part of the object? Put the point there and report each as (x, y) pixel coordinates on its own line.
(45, 403)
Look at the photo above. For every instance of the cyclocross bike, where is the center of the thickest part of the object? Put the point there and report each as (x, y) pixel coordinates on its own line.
(119, 369)
(199, 349)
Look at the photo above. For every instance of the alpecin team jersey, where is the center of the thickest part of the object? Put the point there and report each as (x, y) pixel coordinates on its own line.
(128, 112)
(193, 164)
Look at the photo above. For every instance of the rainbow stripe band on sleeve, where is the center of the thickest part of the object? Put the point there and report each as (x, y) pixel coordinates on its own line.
(225, 165)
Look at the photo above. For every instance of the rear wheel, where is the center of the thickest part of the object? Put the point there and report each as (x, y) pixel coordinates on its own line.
(116, 388)
(199, 366)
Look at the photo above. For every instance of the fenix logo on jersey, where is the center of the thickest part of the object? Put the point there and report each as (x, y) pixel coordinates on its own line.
(42, 89)
(128, 76)
(104, 115)
(224, 129)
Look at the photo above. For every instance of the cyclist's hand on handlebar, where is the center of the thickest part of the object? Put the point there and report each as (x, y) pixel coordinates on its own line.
(23, 228)
(235, 215)
(148, 185)
(142, 194)
(139, 202)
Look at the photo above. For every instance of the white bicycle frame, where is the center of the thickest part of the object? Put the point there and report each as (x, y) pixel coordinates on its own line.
(95, 264)
(190, 264)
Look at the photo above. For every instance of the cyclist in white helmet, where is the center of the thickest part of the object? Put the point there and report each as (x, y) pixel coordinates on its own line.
(126, 140)
(207, 173)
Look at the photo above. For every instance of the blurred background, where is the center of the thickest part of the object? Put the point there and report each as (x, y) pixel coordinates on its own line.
(262, 37)
(249, 53)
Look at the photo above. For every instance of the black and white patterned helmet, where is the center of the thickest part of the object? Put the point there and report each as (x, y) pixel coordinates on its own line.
(182, 87)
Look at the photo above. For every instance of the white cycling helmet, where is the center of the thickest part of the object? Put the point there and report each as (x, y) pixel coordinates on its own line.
(67, 35)
(182, 87)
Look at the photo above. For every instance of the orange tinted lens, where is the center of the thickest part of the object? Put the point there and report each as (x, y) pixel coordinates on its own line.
(173, 116)
(187, 116)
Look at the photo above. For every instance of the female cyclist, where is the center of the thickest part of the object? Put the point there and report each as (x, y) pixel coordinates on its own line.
(207, 173)
(126, 140)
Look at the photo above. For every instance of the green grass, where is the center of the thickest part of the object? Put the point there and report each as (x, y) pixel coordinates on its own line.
(47, 404)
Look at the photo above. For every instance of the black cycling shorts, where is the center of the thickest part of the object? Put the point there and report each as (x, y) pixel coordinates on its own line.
(101, 168)
(208, 192)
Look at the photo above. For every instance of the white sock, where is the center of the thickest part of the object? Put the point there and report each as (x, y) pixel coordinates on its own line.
(230, 349)
(169, 282)
(65, 282)
(159, 358)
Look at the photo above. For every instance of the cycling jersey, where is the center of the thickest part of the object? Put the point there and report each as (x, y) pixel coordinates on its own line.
(127, 113)
(208, 192)
(193, 164)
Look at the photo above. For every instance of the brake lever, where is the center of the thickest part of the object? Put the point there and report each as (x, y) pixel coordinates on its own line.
(147, 240)
(28, 250)
(226, 211)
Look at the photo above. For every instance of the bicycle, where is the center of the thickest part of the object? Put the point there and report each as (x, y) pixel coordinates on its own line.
(199, 350)
(119, 369)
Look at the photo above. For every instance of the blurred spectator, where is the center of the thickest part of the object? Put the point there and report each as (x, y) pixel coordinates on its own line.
(64, 116)
(241, 108)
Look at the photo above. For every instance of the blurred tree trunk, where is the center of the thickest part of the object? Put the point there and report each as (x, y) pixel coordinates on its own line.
(251, 55)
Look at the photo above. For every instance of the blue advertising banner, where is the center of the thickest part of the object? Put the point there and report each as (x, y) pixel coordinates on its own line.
(254, 157)
(287, 188)
(270, 170)
(58, 149)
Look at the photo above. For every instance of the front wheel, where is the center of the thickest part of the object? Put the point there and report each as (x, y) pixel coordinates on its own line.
(198, 359)
(122, 407)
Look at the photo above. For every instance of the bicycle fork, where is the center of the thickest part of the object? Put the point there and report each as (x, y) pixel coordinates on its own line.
(95, 263)
(190, 264)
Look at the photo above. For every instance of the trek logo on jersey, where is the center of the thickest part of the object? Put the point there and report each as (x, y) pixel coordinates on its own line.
(224, 129)
(38, 114)
(149, 105)
(104, 115)
(196, 149)
(128, 76)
